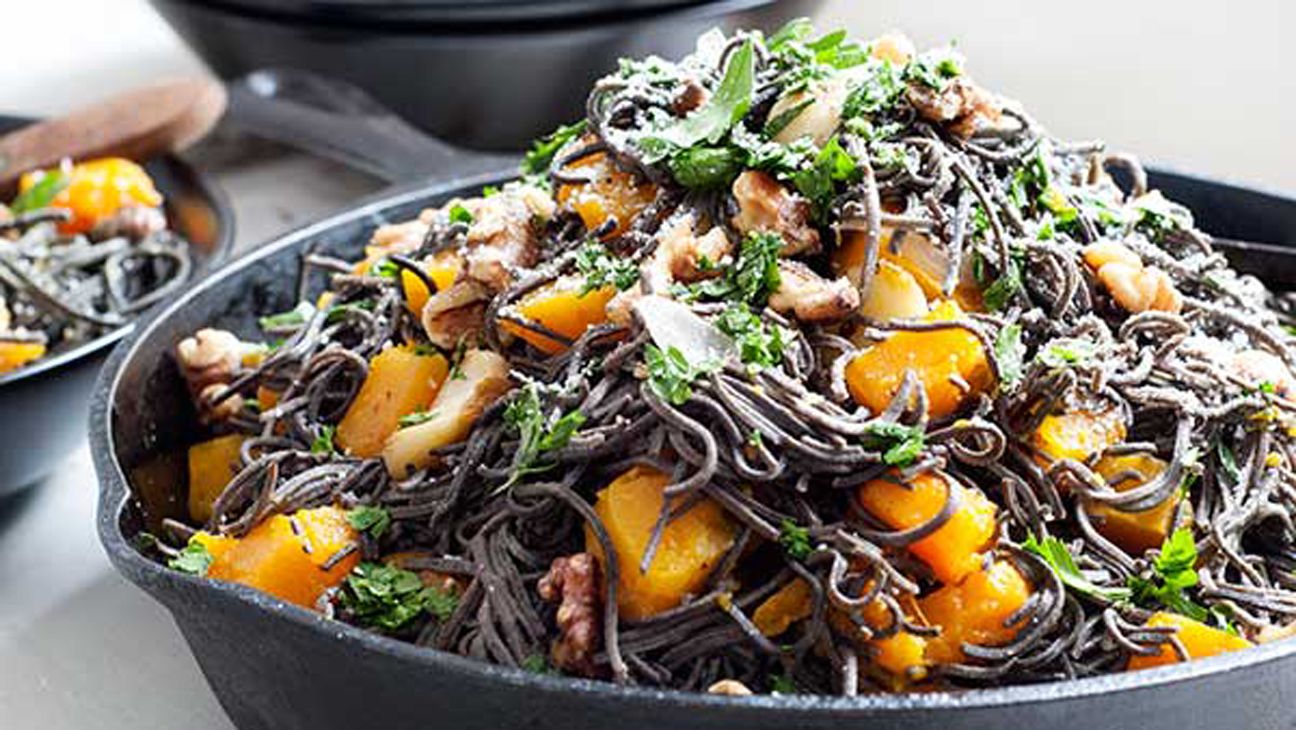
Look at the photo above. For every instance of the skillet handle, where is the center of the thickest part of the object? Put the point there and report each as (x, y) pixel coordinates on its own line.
(335, 119)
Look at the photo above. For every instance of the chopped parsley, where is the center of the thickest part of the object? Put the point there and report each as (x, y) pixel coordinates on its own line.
(1066, 352)
(759, 346)
(1173, 571)
(877, 90)
(782, 684)
(389, 598)
(706, 167)
(540, 156)
(795, 540)
(935, 68)
(386, 269)
(536, 664)
(338, 312)
(415, 418)
(42, 193)
(370, 519)
(460, 214)
(193, 559)
(1054, 552)
(323, 443)
(1010, 355)
(1002, 290)
(537, 433)
(818, 181)
(753, 277)
(294, 317)
(670, 374)
(899, 444)
(600, 268)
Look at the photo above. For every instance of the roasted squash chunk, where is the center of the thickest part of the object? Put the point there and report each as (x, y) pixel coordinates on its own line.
(691, 545)
(400, 382)
(562, 307)
(955, 549)
(285, 555)
(789, 604)
(483, 376)
(950, 364)
(1198, 639)
(1077, 434)
(14, 355)
(442, 268)
(975, 611)
(1135, 532)
(610, 193)
(212, 464)
(915, 253)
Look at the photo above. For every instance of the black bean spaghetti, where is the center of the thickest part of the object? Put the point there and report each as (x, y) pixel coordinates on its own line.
(800, 365)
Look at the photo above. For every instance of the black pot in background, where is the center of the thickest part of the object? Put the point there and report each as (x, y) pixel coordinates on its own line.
(481, 85)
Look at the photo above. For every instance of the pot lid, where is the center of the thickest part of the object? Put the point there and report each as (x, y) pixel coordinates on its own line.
(451, 11)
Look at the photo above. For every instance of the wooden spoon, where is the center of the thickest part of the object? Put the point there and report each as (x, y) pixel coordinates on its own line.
(137, 124)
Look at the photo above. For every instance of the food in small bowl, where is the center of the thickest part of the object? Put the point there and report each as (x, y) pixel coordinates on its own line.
(84, 247)
(802, 365)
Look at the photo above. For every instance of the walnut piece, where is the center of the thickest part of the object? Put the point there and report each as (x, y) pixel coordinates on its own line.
(811, 298)
(766, 206)
(208, 361)
(573, 583)
(962, 105)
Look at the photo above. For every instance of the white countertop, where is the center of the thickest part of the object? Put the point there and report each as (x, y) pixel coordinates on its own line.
(81, 648)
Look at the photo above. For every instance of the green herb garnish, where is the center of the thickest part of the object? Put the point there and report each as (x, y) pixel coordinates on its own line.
(415, 418)
(728, 104)
(1173, 571)
(759, 346)
(1066, 352)
(795, 540)
(900, 444)
(389, 598)
(42, 193)
(600, 268)
(193, 559)
(323, 443)
(537, 432)
(1010, 354)
(818, 182)
(753, 277)
(1054, 552)
(294, 317)
(540, 156)
(460, 214)
(670, 374)
(370, 519)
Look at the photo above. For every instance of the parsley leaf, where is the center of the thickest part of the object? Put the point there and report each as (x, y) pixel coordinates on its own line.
(537, 433)
(795, 540)
(386, 269)
(460, 214)
(389, 598)
(880, 85)
(1010, 354)
(935, 68)
(294, 317)
(42, 193)
(370, 519)
(193, 559)
(1054, 552)
(1174, 570)
(706, 167)
(415, 418)
(758, 346)
(782, 684)
(600, 268)
(670, 375)
(753, 277)
(729, 103)
(1002, 290)
(1065, 352)
(323, 443)
(541, 154)
(900, 444)
(818, 181)
(536, 664)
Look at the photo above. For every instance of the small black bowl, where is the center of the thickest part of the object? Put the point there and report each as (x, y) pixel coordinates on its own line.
(44, 405)
(274, 665)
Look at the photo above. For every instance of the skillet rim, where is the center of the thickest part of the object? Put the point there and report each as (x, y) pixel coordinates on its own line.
(197, 182)
(154, 578)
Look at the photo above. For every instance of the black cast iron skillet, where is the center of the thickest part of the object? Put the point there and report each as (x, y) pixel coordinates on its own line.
(274, 665)
(43, 406)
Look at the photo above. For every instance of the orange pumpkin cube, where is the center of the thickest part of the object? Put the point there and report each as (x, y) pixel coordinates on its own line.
(288, 562)
(610, 193)
(1077, 434)
(950, 364)
(691, 545)
(212, 464)
(442, 268)
(400, 382)
(975, 611)
(954, 550)
(789, 604)
(1198, 639)
(1134, 532)
(14, 355)
(96, 189)
(562, 308)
